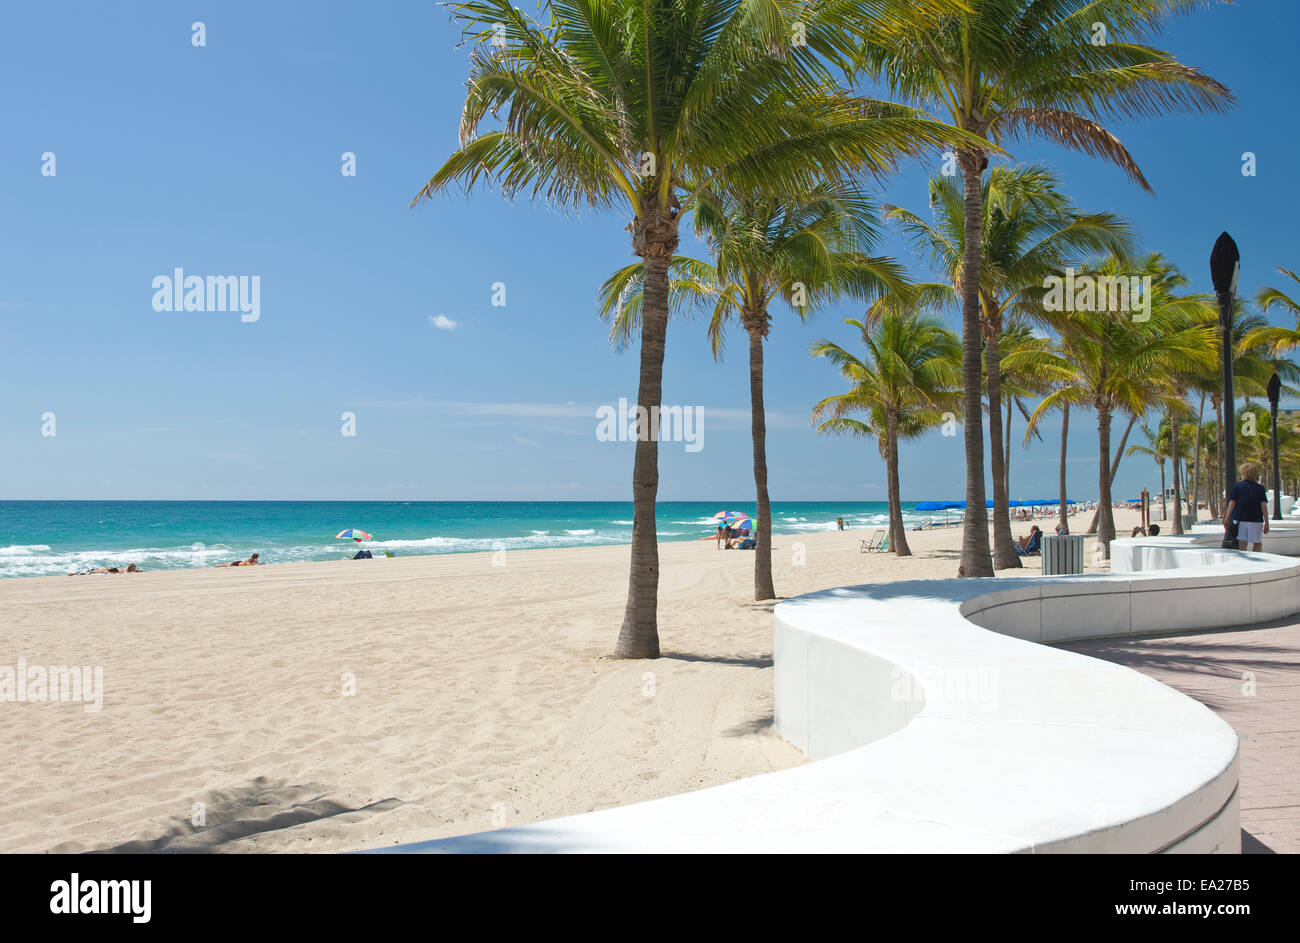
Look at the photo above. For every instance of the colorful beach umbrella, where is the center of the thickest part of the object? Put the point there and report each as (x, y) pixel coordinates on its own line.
(352, 534)
(726, 517)
(743, 524)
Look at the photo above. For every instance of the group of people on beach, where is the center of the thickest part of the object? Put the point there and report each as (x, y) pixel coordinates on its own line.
(132, 568)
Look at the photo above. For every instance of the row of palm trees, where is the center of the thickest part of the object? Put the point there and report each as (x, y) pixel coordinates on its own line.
(744, 115)
(1116, 365)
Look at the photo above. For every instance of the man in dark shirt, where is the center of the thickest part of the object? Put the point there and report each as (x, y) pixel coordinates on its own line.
(1248, 506)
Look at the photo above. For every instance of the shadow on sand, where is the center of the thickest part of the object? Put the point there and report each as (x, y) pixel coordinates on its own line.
(233, 814)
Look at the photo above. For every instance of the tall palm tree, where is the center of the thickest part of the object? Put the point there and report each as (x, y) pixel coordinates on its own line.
(1179, 379)
(804, 251)
(636, 104)
(1010, 70)
(1122, 365)
(908, 376)
(1029, 230)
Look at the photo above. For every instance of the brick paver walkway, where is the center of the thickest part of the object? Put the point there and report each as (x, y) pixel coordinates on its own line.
(1218, 668)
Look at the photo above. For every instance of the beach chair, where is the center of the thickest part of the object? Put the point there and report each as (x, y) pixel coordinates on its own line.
(1033, 548)
(868, 546)
(884, 544)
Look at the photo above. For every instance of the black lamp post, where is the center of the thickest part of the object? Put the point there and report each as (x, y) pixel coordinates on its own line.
(1225, 267)
(1274, 393)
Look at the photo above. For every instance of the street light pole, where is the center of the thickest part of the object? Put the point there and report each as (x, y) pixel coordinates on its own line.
(1225, 268)
(1274, 394)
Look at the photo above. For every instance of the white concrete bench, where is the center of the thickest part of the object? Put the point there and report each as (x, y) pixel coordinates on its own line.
(938, 723)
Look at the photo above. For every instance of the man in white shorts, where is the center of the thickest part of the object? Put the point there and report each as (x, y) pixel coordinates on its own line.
(1248, 506)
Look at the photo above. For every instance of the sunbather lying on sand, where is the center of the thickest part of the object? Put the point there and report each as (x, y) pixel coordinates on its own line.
(251, 561)
(108, 569)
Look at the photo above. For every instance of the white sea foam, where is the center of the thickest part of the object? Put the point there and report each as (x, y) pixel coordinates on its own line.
(474, 544)
(39, 560)
(807, 526)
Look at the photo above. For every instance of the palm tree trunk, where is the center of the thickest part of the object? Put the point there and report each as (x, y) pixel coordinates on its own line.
(1176, 447)
(1004, 550)
(975, 557)
(1065, 437)
(655, 240)
(1114, 470)
(1006, 451)
(763, 588)
(1119, 452)
(1164, 508)
(1106, 520)
(1196, 475)
(897, 532)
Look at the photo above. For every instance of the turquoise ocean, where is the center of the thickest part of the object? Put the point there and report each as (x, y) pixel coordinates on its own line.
(40, 538)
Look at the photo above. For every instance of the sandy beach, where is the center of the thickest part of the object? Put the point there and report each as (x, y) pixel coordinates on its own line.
(338, 706)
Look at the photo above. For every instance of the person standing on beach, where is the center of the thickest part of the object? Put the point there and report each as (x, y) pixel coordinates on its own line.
(1248, 506)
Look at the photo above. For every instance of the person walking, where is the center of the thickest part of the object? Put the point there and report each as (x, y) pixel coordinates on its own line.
(1248, 506)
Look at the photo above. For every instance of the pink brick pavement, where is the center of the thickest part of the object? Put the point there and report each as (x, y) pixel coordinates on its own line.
(1214, 668)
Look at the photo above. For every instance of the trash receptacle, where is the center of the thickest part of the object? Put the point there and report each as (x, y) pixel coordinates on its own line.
(1062, 555)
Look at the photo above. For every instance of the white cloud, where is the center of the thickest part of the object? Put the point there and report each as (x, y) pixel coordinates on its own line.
(522, 441)
(442, 322)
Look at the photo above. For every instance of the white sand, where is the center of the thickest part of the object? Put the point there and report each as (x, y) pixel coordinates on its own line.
(485, 694)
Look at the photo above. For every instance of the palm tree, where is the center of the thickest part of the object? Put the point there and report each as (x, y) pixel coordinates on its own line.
(1122, 365)
(1062, 395)
(1157, 447)
(1268, 297)
(637, 104)
(1029, 230)
(1009, 70)
(1256, 355)
(1030, 366)
(909, 375)
(803, 251)
(1179, 380)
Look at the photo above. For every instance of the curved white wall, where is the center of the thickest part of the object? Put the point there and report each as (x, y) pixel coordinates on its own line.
(938, 724)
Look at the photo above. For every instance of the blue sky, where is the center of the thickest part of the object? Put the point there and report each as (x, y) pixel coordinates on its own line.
(226, 159)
